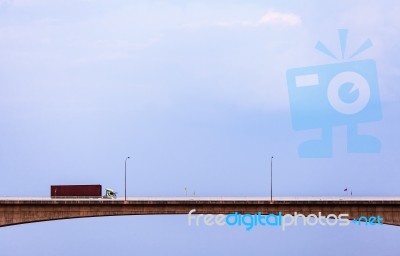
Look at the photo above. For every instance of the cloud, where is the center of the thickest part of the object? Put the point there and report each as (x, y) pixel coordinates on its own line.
(272, 18)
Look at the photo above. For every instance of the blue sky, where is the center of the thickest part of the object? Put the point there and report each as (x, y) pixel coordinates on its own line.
(196, 93)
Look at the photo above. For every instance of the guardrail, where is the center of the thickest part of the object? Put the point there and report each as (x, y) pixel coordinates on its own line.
(219, 198)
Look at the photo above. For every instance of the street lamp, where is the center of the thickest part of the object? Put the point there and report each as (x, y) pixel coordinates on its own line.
(271, 177)
(125, 175)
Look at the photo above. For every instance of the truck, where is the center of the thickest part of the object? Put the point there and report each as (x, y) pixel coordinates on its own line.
(80, 191)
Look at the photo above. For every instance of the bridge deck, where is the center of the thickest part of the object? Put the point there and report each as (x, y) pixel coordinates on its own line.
(24, 210)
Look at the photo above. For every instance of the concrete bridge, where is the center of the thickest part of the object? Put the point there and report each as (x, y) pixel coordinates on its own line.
(14, 211)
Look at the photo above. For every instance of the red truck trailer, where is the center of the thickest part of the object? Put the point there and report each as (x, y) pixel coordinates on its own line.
(79, 191)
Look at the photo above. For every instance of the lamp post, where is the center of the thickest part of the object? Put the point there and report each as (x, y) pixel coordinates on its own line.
(271, 177)
(125, 175)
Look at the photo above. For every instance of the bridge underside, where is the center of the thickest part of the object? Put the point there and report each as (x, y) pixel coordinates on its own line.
(13, 212)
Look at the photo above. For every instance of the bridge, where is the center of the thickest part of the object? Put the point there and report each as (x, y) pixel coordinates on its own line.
(14, 211)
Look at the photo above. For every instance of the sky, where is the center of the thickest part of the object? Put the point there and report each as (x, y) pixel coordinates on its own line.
(196, 93)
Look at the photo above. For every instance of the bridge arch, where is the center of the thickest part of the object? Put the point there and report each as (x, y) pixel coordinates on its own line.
(14, 211)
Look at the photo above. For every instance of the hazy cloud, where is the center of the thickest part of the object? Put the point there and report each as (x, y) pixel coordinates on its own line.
(273, 17)
(270, 18)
